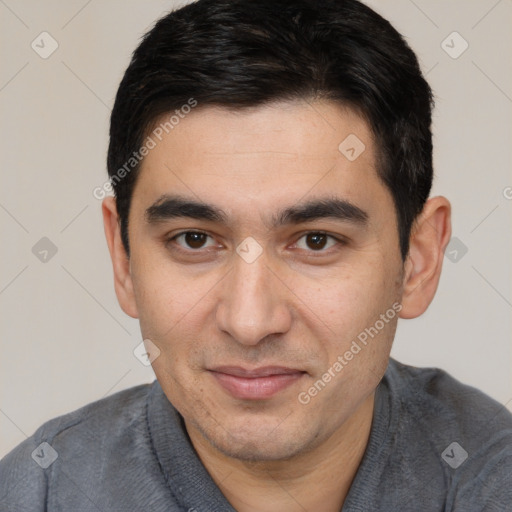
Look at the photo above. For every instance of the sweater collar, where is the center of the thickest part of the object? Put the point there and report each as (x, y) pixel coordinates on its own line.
(186, 476)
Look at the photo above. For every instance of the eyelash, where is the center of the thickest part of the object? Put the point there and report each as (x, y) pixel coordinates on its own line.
(339, 242)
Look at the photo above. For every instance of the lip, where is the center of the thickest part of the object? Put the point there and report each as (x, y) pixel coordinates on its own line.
(255, 384)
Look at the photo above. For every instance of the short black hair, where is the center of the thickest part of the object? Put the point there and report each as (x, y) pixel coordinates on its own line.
(246, 53)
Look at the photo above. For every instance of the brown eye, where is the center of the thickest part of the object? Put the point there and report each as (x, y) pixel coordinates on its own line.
(194, 240)
(316, 241)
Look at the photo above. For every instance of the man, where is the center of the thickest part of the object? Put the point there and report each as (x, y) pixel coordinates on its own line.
(272, 163)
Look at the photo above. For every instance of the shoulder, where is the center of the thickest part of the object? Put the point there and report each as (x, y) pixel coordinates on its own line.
(26, 470)
(432, 395)
(462, 433)
(110, 414)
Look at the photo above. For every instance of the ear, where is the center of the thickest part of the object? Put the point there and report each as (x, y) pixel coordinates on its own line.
(122, 275)
(429, 237)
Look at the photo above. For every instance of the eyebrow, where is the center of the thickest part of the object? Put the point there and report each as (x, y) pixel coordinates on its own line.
(169, 207)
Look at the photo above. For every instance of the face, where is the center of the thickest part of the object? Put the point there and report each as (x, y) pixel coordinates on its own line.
(264, 266)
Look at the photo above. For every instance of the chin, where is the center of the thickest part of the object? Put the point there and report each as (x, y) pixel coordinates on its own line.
(264, 444)
(259, 451)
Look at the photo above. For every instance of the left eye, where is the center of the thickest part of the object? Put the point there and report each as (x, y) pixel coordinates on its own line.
(316, 241)
(194, 240)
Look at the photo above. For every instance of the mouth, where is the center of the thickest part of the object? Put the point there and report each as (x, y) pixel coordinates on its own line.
(255, 384)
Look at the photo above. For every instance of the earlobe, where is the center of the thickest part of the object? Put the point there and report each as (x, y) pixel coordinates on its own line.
(121, 263)
(429, 238)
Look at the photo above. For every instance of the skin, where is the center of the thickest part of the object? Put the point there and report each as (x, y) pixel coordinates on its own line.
(297, 305)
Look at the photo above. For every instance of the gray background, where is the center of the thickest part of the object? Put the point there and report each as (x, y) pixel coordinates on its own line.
(64, 339)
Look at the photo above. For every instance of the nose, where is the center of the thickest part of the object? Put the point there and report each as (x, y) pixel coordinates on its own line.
(253, 304)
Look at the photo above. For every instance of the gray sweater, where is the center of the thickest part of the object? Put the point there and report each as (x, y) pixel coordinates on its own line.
(435, 445)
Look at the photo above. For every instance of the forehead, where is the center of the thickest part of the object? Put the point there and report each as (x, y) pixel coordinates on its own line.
(281, 129)
(263, 157)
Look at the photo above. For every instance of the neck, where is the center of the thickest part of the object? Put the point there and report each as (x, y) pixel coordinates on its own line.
(315, 480)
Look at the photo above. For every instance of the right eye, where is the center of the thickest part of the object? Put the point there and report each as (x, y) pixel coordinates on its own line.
(193, 240)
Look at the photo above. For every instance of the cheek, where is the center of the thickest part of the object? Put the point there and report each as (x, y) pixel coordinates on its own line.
(167, 294)
(174, 311)
(347, 298)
